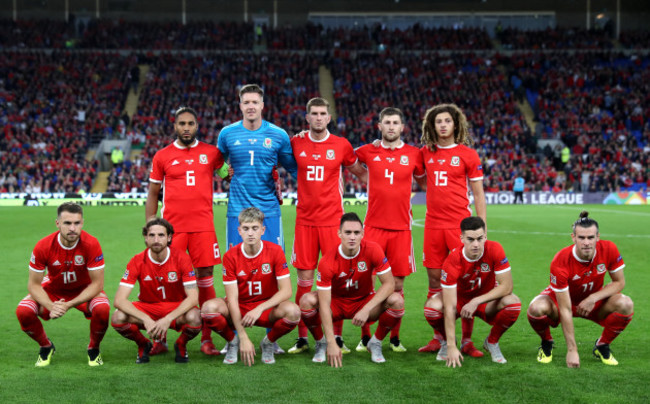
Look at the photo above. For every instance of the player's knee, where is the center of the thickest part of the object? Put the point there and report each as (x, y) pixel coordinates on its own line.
(309, 301)
(434, 302)
(511, 299)
(193, 317)
(395, 301)
(211, 306)
(624, 305)
(291, 311)
(118, 317)
(538, 307)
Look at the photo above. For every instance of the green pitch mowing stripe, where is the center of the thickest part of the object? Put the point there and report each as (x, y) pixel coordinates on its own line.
(531, 235)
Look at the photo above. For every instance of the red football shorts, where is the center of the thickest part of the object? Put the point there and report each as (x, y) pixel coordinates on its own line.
(346, 309)
(437, 245)
(398, 247)
(159, 310)
(202, 247)
(265, 318)
(593, 315)
(308, 241)
(45, 313)
(480, 310)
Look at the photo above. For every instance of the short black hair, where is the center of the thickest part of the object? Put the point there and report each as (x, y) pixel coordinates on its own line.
(350, 217)
(159, 221)
(183, 109)
(472, 223)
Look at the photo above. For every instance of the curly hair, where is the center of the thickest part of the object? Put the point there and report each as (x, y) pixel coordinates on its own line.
(461, 128)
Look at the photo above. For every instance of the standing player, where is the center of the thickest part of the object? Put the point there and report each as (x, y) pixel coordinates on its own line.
(258, 289)
(476, 281)
(74, 263)
(391, 168)
(452, 170)
(184, 171)
(346, 290)
(577, 290)
(321, 157)
(167, 298)
(254, 148)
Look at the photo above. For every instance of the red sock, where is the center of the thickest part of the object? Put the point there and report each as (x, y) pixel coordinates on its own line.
(433, 291)
(188, 333)
(100, 309)
(467, 325)
(27, 313)
(338, 327)
(219, 324)
(131, 331)
(614, 324)
(394, 332)
(206, 292)
(365, 330)
(503, 320)
(436, 319)
(387, 320)
(542, 326)
(281, 327)
(312, 321)
(304, 286)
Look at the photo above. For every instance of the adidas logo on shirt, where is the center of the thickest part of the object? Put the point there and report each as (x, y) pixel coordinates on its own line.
(147, 278)
(576, 277)
(377, 158)
(56, 263)
(302, 154)
(237, 143)
(175, 162)
(430, 161)
(242, 273)
(342, 275)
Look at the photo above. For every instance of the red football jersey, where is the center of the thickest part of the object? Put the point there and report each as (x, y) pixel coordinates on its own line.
(256, 276)
(448, 171)
(187, 175)
(390, 178)
(160, 281)
(67, 268)
(582, 278)
(320, 178)
(350, 278)
(474, 278)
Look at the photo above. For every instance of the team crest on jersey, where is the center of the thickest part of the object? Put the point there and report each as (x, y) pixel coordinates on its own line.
(330, 155)
(268, 142)
(266, 268)
(443, 275)
(455, 161)
(172, 276)
(203, 159)
(485, 267)
(78, 260)
(601, 268)
(404, 160)
(126, 274)
(361, 266)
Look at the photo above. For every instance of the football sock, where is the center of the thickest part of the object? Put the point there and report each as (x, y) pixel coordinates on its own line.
(206, 292)
(503, 320)
(433, 291)
(541, 325)
(219, 324)
(27, 313)
(312, 321)
(436, 319)
(614, 324)
(394, 332)
(467, 326)
(365, 330)
(188, 333)
(131, 331)
(100, 309)
(387, 320)
(281, 327)
(338, 327)
(304, 286)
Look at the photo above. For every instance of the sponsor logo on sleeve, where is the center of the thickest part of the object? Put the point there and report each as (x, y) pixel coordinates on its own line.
(223, 271)
(172, 276)
(480, 167)
(126, 274)
(620, 257)
(99, 258)
(443, 275)
(32, 259)
(504, 261)
(191, 273)
(553, 279)
(318, 276)
(285, 266)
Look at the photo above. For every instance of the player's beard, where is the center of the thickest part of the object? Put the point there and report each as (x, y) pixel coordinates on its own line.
(186, 142)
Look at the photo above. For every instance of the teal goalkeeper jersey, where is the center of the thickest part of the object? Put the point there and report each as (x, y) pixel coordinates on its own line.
(252, 155)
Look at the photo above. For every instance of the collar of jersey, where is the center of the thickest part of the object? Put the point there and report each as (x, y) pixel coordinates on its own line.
(396, 148)
(196, 143)
(345, 256)
(251, 256)
(319, 141)
(58, 238)
(469, 260)
(156, 262)
(451, 146)
(575, 255)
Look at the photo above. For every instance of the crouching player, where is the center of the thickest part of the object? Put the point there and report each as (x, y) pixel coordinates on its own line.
(576, 290)
(168, 294)
(346, 291)
(74, 263)
(258, 288)
(476, 282)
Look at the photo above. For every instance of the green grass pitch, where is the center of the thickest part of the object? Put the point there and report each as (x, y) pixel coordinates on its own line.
(530, 235)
